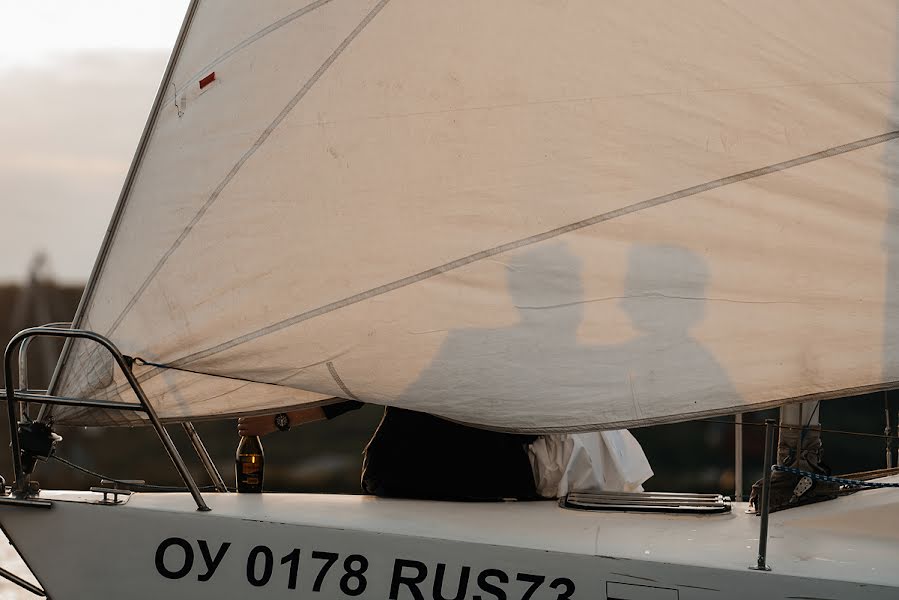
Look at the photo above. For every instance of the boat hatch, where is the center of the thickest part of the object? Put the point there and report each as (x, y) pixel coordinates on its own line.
(666, 502)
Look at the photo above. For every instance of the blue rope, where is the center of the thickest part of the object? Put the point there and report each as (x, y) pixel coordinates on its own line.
(840, 480)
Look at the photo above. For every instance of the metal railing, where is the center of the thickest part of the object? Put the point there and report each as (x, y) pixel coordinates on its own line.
(13, 397)
(738, 457)
(24, 385)
(765, 503)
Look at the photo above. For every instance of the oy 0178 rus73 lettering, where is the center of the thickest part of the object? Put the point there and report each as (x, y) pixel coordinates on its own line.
(176, 558)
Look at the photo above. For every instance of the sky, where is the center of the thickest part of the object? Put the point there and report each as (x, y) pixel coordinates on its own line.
(77, 81)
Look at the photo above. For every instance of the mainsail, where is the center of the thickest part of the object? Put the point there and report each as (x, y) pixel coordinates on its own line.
(529, 215)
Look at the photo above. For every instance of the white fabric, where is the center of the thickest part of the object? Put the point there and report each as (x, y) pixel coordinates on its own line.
(527, 215)
(610, 461)
(806, 414)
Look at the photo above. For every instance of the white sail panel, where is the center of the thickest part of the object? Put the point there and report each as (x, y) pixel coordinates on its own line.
(529, 216)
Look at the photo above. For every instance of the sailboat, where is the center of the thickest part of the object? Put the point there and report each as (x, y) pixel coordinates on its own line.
(541, 216)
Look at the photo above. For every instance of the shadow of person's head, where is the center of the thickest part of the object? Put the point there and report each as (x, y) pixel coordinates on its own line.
(545, 285)
(665, 289)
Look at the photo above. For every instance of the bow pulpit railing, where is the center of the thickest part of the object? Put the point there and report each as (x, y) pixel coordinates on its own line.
(18, 416)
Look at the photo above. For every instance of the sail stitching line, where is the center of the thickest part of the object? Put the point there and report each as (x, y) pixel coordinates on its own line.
(576, 100)
(340, 382)
(243, 159)
(250, 40)
(552, 233)
(649, 295)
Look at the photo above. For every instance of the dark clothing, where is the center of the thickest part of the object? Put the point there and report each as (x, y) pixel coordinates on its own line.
(417, 455)
(335, 410)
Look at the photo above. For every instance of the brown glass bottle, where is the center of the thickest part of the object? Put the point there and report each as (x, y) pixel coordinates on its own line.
(250, 465)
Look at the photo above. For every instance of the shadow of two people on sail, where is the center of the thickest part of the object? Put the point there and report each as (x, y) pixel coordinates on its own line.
(537, 374)
(539, 368)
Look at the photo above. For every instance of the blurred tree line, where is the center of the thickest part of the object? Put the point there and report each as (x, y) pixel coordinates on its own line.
(327, 457)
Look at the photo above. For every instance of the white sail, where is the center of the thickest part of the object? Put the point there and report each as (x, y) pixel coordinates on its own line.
(526, 215)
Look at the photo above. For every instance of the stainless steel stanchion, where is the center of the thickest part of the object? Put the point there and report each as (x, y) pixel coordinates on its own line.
(770, 439)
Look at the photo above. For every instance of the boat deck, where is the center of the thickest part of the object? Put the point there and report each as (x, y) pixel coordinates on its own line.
(853, 538)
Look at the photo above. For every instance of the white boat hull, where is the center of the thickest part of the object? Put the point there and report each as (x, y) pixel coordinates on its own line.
(313, 546)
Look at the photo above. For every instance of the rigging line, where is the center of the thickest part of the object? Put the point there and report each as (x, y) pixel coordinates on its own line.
(140, 486)
(150, 374)
(815, 410)
(540, 237)
(248, 41)
(797, 427)
(808, 422)
(246, 156)
(244, 380)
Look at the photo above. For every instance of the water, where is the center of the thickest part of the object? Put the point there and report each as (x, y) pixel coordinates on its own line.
(10, 561)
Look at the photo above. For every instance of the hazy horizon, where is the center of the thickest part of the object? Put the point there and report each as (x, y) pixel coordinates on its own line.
(78, 83)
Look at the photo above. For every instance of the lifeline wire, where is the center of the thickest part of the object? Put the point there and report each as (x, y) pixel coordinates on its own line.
(145, 486)
(745, 424)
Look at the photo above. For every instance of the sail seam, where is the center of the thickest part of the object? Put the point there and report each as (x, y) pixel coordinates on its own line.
(340, 382)
(249, 41)
(243, 159)
(540, 237)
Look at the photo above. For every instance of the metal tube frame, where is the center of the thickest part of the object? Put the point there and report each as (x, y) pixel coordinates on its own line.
(12, 397)
(770, 439)
(203, 454)
(887, 431)
(738, 457)
(23, 367)
(27, 585)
